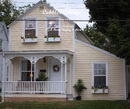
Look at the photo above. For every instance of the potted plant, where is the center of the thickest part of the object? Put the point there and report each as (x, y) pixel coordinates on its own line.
(79, 87)
(41, 77)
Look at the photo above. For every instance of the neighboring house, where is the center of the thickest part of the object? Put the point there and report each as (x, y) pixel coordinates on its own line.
(41, 41)
(3, 45)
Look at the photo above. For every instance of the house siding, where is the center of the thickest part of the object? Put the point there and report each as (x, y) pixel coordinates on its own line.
(66, 34)
(85, 56)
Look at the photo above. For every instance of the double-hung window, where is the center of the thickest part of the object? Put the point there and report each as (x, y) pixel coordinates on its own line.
(26, 70)
(52, 26)
(30, 28)
(100, 74)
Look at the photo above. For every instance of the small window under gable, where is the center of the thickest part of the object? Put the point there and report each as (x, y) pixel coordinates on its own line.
(30, 28)
(53, 26)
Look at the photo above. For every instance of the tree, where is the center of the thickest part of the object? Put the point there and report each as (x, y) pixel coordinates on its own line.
(111, 18)
(8, 11)
(97, 37)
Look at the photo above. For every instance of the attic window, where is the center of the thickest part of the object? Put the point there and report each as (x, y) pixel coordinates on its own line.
(52, 26)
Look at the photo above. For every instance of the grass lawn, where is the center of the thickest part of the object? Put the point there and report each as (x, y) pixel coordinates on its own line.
(85, 104)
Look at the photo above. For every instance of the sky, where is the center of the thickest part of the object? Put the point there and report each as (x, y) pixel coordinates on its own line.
(73, 9)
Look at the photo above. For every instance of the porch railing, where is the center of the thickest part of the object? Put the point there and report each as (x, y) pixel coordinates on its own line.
(35, 87)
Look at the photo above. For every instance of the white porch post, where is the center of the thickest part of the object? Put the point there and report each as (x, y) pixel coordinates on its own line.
(31, 72)
(65, 72)
(61, 71)
(3, 79)
(70, 77)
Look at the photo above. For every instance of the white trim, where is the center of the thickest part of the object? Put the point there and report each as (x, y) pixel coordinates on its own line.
(99, 49)
(106, 63)
(70, 76)
(9, 43)
(23, 28)
(20, 61)
(37, 27)
(73, 61)
(125, 82)
(3, 80)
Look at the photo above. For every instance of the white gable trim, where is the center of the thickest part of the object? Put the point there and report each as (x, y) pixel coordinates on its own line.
(99, 49)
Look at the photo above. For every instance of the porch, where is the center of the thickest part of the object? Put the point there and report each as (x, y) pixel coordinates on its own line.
(35, 87)
(21, 70)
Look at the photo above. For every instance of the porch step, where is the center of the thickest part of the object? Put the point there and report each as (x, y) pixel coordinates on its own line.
(32, 99)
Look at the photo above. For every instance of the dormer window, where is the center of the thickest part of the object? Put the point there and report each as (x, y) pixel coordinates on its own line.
(30, 28)
(52, 26)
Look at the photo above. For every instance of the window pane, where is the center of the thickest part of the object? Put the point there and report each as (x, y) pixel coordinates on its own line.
(30, 23)
(99, 69)
(99, 81)
(26, 76)
(52, 33)
(30, 33)
(53, 26)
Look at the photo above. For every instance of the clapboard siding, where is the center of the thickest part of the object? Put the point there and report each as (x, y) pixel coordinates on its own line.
(85, 55)
(17, 32)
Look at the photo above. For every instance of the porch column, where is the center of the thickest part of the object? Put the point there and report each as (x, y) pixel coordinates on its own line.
(70, 76)
(65, 72)
(31, 75)
(61, 71)
(3, 79)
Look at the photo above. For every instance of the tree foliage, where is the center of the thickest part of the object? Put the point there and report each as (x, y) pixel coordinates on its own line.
(112, 18)
(8, 11)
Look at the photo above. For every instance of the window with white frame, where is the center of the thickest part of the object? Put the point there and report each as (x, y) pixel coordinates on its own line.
(30, 28)
(52, 26)
(26, 70)
(100, 74)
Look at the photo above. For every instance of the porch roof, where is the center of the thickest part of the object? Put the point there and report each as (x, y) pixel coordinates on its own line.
(37, 52)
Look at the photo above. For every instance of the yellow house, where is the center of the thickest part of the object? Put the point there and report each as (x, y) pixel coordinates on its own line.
(43, 41)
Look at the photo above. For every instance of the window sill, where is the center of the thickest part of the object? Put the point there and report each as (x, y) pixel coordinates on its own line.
(57, 39)
(100, 91)
(29, 40)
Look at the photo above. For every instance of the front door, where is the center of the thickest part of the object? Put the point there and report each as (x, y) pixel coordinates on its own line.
(55, 69)
(54, 74)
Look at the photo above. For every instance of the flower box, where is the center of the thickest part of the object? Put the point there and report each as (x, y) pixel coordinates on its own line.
(100, 91)
(29, 40)
(51, 39)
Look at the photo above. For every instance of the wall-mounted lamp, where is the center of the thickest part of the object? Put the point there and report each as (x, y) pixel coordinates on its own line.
(31, 75)
(44, 60)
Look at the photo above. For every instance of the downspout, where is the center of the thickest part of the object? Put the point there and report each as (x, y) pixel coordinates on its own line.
(74, 49)
(125, 81)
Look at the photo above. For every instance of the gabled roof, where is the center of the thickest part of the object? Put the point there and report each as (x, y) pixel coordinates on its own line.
(82, 32)
(31, 9)
(3, 26)
(50, 7)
